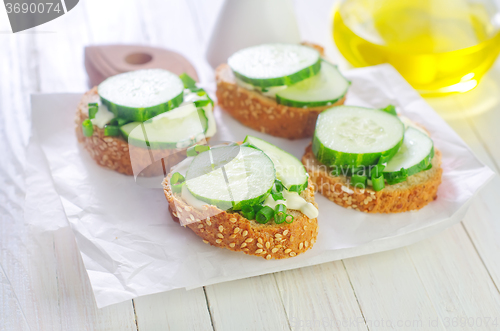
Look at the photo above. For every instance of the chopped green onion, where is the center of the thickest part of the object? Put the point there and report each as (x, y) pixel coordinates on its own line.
(201, 148)
(358, 180)
(277, 196)
(93, 109)
(248, 212)
(191, 151)
(378, 182)
(376, 170)
(264, 215)
(429, 167)
(111, 130)
(121, 121)
(289, 217)
(390, 109)
(201, 103)
(177, 178)
(188, 82)
(278, 185)
(399, 179)
(279, 213)
(88, 128)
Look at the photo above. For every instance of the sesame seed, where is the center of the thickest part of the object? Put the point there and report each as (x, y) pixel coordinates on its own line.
(175, 214)
(202, 230)
(258, 251)
(218, 241)
(232, 220)
(279, 246)
(354, 206)
(232, 236)
(220, 235)
(260, 245)
(243, 245)
(292, 254)
(305, 227)
(179, 210)
(206, 242)
(306, 243)
(268, 256)
(186, 208)
(274, 250)
(260, 240)
(268, 245)
(278, 235)
(245, 249)
(221, 228)
(301, 245)
(249, 240)
(208, 222)
(236, 230)
(285, 232)
(200, 226)
(231, 244)
(191, 217)
(245, 233)
(288, 250)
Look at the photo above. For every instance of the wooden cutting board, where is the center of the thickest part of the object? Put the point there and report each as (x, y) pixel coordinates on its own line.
(103, 61)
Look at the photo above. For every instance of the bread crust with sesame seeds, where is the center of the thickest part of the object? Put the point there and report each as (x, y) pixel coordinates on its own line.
(413, 194)
(236, 233)
(114, 152)
(263, 113)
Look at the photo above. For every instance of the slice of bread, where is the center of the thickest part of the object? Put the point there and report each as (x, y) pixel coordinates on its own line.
(413, 194)
(114, 152)
(234, 232)
(262, 113)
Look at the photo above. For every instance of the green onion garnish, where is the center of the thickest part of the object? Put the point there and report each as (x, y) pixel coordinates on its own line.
(264, 215)
(188, 82)
(88, 128)
(376, 170)
(121, 121)
(358, 181)
(248, 212)
(93, 109)
(378, 182)
(201, 103)
(278, 185)
(277, 196)
(289, 217)
(191, 151)
(279, 213)
(201, 148)
(111, 130)
(176, 182)
(390, 109)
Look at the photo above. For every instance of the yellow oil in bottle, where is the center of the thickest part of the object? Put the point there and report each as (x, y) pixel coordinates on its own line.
(439, 46)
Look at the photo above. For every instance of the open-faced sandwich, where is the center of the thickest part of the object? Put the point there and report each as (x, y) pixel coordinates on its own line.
(372, 160)
(134, 119)
(254, 198)
(279, 89)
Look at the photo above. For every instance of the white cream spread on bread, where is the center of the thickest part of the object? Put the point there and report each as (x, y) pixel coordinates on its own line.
(293, 201)
(103, 116)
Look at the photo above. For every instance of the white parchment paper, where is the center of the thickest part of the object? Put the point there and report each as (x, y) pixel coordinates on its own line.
(130, 245)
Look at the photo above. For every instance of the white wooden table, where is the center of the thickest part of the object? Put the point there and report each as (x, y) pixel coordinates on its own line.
(450, 281)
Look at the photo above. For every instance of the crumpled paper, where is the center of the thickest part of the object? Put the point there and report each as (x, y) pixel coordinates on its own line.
(131, 247)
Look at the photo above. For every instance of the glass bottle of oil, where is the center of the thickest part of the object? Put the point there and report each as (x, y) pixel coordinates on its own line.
(439, 46)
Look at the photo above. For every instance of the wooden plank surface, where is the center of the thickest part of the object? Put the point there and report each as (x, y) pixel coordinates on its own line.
(43, 284)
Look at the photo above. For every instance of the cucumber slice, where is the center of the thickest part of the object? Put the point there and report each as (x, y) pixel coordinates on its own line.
(325, 88)
(231, 176)
(275, 64)
(289, 170)
(142, 94)
(177, 128)
(127, 128)
(356, 136)
(415, 155)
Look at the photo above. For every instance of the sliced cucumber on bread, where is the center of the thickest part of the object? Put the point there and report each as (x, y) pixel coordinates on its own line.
(275, 64)
(289, 170)
(142, 94)
(231, 177)
(325, 88)
(178, 128)
(414, 155)
(356, 136)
